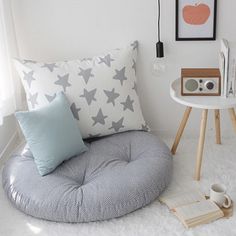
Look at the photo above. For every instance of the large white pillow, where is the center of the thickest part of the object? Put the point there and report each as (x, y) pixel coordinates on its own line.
(102, 90)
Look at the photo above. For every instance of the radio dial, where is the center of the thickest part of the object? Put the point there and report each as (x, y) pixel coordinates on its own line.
(210, 85)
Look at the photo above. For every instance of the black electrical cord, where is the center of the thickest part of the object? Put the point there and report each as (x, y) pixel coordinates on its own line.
(159, 18)
(159, 44)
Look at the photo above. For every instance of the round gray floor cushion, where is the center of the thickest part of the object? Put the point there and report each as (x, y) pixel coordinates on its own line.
(118, 175)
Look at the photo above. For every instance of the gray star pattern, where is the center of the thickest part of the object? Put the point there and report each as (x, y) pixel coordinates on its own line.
(134, 45)
(128, 104)
(111, 95)
(99, 118)
(120, 75)
(75, 111)
(63, 81)
(117, 125)
(86, 74)
(134, 66)
(50, 98)
(135, 88)
(50, 66)
(145, 127)
(33, 99)
(89, 95)
(107, 60)
(29, 77)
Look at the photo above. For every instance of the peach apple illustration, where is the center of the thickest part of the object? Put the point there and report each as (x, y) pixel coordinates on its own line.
(197, 14)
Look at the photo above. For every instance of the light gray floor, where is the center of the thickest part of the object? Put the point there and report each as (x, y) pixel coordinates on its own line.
(219, 166)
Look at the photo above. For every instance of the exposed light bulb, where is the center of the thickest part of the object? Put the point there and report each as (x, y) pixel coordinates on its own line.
(158, 66)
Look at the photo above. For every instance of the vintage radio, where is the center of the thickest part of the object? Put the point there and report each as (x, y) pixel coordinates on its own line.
(200, 82)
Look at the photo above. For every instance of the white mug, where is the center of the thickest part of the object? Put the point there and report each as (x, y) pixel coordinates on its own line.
(219, 196)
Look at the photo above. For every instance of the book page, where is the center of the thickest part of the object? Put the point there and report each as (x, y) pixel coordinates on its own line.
(204, 220)
(198, 209)
(225, 51)
(222, 70)
(182, 198)
(232, 69)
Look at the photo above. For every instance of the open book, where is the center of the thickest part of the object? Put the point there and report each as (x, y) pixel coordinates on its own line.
(192, 208)
(227, 65)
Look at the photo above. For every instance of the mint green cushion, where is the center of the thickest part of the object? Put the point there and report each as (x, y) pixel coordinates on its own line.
(52, 134)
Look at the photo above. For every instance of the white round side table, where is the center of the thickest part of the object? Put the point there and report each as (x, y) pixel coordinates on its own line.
(205, 103)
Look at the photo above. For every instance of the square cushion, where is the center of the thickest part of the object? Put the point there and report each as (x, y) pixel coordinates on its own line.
(102, 90)
(52, 134)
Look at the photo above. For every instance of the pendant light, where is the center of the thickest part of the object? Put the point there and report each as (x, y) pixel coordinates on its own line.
(159, 44)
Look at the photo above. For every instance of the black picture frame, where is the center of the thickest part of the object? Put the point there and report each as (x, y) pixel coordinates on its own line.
(177, 38)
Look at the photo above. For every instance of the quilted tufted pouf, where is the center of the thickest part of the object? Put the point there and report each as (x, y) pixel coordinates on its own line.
(118, 175)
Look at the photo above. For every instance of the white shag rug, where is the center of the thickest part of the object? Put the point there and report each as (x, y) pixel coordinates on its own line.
(219, 166)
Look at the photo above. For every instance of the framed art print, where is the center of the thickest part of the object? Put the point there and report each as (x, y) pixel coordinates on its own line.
(196, 20)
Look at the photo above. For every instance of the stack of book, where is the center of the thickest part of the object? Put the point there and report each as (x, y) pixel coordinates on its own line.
(227, 64)
(192, 208)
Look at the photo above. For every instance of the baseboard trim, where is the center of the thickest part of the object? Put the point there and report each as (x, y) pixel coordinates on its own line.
(9, 148)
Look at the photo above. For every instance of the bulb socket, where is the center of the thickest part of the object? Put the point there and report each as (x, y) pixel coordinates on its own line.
(160, 49)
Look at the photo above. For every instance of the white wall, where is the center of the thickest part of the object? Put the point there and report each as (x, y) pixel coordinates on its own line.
(6, 132)
(65, 29)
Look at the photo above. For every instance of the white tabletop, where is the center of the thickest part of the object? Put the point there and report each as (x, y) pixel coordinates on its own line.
(203, 102)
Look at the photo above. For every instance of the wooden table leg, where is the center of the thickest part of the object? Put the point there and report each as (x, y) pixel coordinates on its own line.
(233, 117)
(201, 144)
(217, 126)
(181, 129)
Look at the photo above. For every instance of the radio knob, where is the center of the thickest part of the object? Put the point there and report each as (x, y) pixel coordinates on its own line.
(210, 85)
